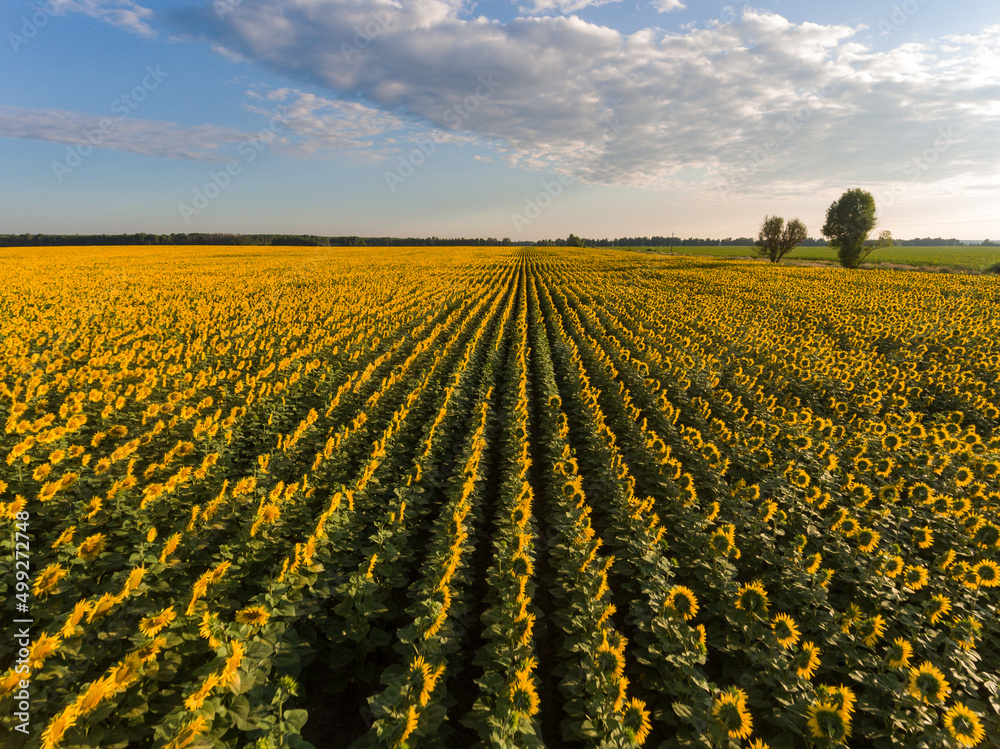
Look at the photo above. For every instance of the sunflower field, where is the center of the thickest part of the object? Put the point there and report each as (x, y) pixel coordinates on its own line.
(494, 497)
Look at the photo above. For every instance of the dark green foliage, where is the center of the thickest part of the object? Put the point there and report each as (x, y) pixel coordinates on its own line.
(849, 220)
(776, 240)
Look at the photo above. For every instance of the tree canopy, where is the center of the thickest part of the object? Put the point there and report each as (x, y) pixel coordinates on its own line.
(849, 220)
(776, 240)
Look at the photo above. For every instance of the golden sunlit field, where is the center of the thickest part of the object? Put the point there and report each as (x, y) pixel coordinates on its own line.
(456, 497)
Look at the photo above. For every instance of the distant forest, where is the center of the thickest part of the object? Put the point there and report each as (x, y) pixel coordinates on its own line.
(48, 240)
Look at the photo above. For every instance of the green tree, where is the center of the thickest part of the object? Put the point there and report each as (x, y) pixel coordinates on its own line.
(849, 221)
(776, 240)
(574, 241)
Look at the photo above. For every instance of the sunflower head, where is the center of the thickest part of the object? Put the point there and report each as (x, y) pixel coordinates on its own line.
(635, 719)
(785, 630)
(898, 654)
(868, 539)
(928, 684)
(827, 721)
(988, 572)
(894, 566)
(923, 537)
(937, 607)
(681, 600)
(807, 660)
(752, 598)
(255, 616)
(964, 726)
(730, 713)
(915, 577)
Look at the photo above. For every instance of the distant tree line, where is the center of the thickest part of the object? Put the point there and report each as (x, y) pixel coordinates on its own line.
(49, 240)
(141, 238)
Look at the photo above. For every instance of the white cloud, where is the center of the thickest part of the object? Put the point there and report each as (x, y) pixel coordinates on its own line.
(760, 105)
(125, 14)
(665, 6)
(562, 7)
(314, 125)
(147, 137)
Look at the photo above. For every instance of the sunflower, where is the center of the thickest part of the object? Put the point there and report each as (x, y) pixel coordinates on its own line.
(985, 535)
(807, 660)
(95, 693)
(420, 677)
(928, 684)
(65, 537)
(849, 526)
(889, 493)
(702, 638)
(915, 577)
(937, 607)
(884, 467)
(898, 654)
(635, 719)
(963, 477)
(523, 696)
(826, 721)
(682, 601)
(720, 543)
(894, 566)
(752, 598)
(41, 649)
(965, 631)
(785, 630)
(923, 537)
(730, 713)
(964, 725)
(255, 616)
(891, 442)
(959, 507)
(988, 572)
(872, 629)
(921, 493)
(946, 560)
(522, 629)
(799, 478)
(58, 726)
(814, 562)
(610, 661)
(868, 540)
(48, 579)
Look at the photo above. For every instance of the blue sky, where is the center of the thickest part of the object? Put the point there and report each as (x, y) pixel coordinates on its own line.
(528, 119)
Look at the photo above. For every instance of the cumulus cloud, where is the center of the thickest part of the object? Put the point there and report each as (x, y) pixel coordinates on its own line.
(147, 137)
(125, 14)
(665, 6)
(542, 7)
(315, 125)
(759, 104)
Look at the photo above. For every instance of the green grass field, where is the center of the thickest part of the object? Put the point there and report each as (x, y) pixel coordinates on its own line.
(975, 258)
